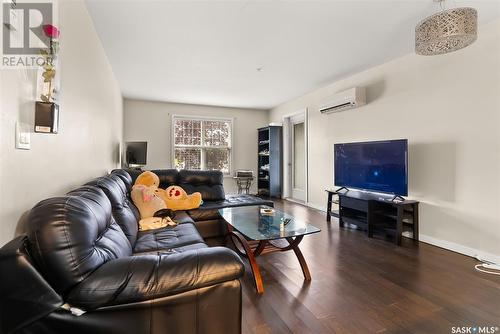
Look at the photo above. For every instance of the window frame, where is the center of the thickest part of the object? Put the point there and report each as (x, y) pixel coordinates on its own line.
(203, 147)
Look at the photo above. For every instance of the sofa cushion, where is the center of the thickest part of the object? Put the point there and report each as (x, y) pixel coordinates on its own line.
(182, 217)
(124, 211)
(149, 277)
(175, 250)
(168, 177)
(125, 177)
(233, 201)
(208, 183)
(71, 236)
(132, 172)
(167, 238)
(204, 214)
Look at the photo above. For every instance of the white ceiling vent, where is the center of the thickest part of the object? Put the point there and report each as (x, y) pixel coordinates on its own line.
(349, 99)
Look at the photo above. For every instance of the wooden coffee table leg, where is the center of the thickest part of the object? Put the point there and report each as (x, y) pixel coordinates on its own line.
(256, 248)
(303, 264)
(251, 259)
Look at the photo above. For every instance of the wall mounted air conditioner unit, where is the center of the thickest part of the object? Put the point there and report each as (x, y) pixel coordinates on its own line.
(348, 99)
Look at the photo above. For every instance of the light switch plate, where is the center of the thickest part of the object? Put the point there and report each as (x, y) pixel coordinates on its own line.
(23, 136)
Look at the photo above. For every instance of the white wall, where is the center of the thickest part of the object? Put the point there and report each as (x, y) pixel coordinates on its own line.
(90, 123)
(152, 122)
(448, 107)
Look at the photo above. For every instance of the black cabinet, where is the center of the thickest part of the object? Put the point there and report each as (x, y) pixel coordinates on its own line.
(374, 213)
(270, 161)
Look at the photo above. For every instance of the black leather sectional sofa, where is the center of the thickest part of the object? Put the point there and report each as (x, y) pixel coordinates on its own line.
(209, 183)
(84, 251)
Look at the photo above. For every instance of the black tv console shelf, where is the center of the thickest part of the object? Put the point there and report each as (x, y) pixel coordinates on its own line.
(374, 213)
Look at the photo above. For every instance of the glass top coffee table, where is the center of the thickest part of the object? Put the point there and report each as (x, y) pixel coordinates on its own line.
(255, 233)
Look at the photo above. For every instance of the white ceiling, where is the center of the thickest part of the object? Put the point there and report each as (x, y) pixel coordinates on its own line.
(208, 52)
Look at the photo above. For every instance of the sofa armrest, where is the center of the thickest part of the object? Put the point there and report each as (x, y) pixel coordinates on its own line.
(145, 277)
(25, 296)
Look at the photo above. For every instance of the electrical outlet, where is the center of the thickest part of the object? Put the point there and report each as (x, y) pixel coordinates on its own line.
(23, 136)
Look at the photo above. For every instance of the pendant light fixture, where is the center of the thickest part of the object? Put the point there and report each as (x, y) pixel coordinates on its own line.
(447, 31)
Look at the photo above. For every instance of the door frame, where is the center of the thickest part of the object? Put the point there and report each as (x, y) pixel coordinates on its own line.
(288, 153)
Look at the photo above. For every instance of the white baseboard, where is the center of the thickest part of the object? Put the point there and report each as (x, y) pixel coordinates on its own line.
(460, 248)
(295, 201)
(308, 204)
(472, 252)
(317, 207)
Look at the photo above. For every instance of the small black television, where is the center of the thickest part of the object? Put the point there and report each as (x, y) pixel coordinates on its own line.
(379, 166)
(136, 153)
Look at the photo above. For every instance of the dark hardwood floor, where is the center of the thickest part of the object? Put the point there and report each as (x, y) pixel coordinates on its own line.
(362, 285)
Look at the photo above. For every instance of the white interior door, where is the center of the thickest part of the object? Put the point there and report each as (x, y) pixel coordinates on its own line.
(295, 148)
(296, 159)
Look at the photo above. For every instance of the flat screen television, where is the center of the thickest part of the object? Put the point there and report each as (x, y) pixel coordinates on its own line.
(379, 166)
(136, 153)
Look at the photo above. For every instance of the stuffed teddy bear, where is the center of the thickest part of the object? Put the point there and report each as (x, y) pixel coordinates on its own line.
(146, 200)
(177, 199)
(148, 179)
(174, 197)
(149, 205)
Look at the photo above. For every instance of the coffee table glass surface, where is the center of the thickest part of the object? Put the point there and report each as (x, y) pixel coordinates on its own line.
(250, 222)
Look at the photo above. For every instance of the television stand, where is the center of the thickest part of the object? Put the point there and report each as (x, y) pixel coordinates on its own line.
(374, 213)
